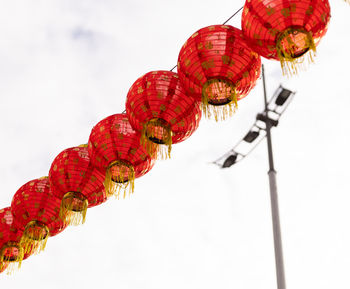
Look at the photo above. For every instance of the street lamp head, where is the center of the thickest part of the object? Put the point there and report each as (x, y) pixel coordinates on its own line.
(251, 136)
(282, 96)
(231, 160)
(263, 118)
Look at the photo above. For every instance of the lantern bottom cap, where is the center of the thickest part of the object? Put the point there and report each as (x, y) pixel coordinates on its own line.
(156, 137)
(295, 45)
(121, 171)
(11, 252)
(219, 98)
(158, 131)
(73, 208)
(218, 91)
(120, 176)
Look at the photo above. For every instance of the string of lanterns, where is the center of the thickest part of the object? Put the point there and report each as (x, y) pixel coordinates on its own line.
(217, 66)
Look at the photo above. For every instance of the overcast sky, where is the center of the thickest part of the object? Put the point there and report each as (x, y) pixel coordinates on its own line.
(67, 64)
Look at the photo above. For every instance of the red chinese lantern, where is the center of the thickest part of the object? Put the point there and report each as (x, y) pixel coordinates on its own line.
(11, 251)
(157, 106)
(286, 30)
(76, 183)
(115, 149)
(36, 212)
(217, 66)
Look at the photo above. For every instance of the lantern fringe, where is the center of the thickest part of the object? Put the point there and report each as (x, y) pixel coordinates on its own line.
(120, 185)
(34, 237)
(12, 267)
(3, 266)
(12, 264)
(219, 99)
(220, 113)
(71, 212)
(291, 64)
(158, 148)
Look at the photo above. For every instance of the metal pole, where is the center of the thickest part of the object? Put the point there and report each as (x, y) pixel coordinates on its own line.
(281, 283)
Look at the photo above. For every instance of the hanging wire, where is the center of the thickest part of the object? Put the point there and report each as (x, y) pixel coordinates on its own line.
(232, 15)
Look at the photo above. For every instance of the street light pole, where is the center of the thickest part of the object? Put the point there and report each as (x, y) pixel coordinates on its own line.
(281, 283)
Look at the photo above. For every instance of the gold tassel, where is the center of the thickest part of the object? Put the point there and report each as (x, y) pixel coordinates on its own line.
(73, 208)
(34, 237)
(219, 99)
(12, 255)
(3, 266)
(296, 50)
(120, 177)
(156, 137)
(12, 267)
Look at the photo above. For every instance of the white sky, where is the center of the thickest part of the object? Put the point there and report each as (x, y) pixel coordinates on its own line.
(66, 64)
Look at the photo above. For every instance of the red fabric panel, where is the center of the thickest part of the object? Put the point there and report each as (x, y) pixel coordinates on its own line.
(218, 51)
(114, 139)
(263, 21)
(71, 171)
(33, 201)
(159, 94)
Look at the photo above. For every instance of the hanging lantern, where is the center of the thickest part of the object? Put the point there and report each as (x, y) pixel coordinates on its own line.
(76, 183)
(11, 251)
(217, 66)
(114, 148)
(36, 212)
(157, 106)
(286, 30)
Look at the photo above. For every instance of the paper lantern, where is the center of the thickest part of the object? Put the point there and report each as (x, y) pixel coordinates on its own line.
(114, 148)
(11, 251)
(157, 106)
(286, 30)
(217, 66)
(76, 183)
(36, 212)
